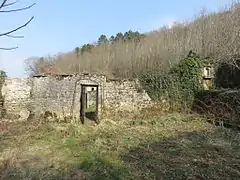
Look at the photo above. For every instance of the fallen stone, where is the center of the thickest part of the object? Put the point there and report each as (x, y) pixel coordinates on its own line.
(24, 115)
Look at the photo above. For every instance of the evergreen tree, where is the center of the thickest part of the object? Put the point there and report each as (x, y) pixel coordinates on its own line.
(102, 39)
(119, 37)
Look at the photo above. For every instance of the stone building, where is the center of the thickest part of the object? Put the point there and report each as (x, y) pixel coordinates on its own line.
(72, 95)
(208, 74)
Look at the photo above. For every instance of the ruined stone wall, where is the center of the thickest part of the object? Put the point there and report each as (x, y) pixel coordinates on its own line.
(16, 93)
(125, 95)
(61, 95)
(42, 94)
(55, 95)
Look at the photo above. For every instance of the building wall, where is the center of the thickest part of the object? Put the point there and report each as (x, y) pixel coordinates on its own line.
(16, 94)
(125, 95)
(42, 94)
(60, 96)
(207, 77)
(51, 94)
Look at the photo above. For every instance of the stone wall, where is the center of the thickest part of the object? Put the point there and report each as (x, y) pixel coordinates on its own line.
(16, 93)
(62, 95)
(55, 95)
(125, 95)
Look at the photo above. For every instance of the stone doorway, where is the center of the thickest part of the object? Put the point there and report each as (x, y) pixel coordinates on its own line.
(89, 100)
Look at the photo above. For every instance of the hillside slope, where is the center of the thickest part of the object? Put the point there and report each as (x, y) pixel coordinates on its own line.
(214, 35)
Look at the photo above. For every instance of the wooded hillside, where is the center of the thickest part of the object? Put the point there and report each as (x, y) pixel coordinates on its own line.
(215, 35)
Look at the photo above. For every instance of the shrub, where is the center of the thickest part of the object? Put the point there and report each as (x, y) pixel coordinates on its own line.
(179, 85)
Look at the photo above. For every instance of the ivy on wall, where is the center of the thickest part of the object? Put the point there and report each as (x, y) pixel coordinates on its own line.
(188, 72)
(180, 84)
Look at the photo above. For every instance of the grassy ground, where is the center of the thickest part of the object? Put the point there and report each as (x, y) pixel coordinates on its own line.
(172, 146)
(90, 114)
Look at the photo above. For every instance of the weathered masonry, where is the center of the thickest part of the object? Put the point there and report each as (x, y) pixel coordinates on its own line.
(76, 96)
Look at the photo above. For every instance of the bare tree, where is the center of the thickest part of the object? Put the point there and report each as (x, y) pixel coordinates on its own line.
(7, 3)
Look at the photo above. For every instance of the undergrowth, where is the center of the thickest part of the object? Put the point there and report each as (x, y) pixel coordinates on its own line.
(173, 146)
(179, 85)
(2, 80)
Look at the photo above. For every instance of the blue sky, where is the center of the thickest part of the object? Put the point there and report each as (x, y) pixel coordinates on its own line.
(61, 25)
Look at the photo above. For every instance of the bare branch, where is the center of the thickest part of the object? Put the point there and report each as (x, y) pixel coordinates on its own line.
(3, 3)
(8, 49)
(8, 34)
(16, 10)
(11, 36)
(10, 4)
(20, 27)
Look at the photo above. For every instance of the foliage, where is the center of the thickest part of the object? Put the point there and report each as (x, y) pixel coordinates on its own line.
(111, 40)
(126, 37)
(77, 51)
(211, 35)
(180, 84)
(188, 72)
(102, 39)
(155, 83)
(228, 75)
(119, 37)
(219, 105)
(86, 48)
(132, 36)
(129, 36)
(3, 75)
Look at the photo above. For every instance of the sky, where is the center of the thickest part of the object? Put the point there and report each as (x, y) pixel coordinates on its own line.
(61, 25)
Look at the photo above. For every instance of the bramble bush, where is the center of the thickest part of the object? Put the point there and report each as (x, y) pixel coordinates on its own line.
(179, 85)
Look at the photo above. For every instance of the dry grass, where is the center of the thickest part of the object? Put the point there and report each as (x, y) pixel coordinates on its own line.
(214, 35)
(173, 146)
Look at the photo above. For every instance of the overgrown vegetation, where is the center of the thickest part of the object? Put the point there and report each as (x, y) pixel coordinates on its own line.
(159, 59)
(147, 146)
(228, 75)
(3, 75)
(219, 105)
(173, 146)
(179, 85)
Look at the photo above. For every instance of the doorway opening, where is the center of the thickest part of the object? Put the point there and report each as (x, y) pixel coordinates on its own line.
(89, 103)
